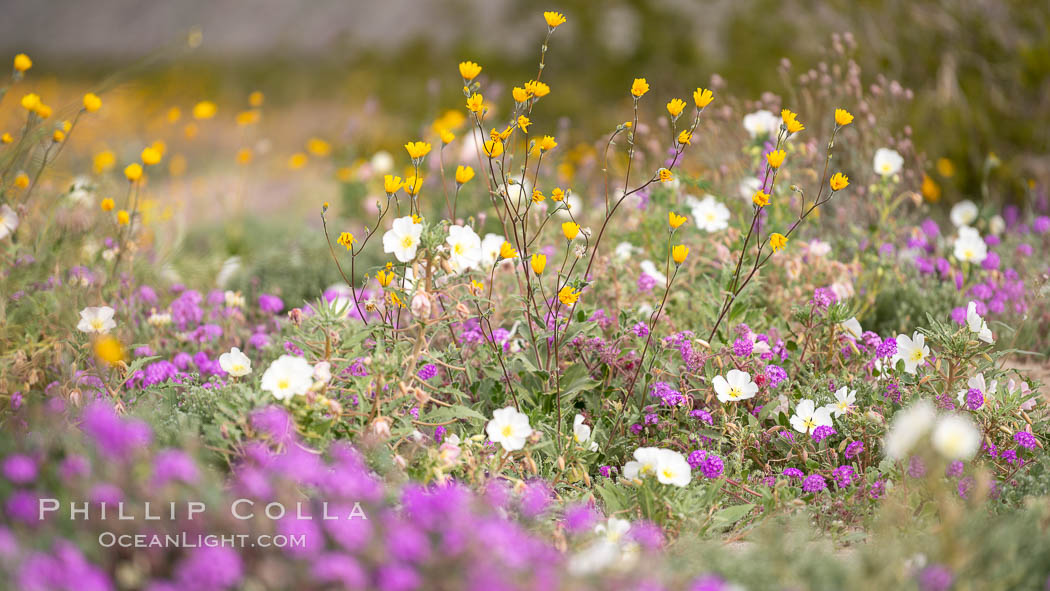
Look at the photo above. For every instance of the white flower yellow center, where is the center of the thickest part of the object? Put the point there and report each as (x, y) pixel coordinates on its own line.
(407, 242)
(809, 423)
(283, 384)
(916, 355)
(735, 393)
(96, 324)
(458, 249)
(237, 368)
(968, 254)
(668, 473)
(507, 431)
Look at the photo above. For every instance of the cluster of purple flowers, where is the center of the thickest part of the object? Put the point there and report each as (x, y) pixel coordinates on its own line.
(709, 464)
(667, 395)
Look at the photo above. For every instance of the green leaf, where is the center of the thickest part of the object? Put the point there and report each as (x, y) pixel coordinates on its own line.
(456, 411)
(731, 515)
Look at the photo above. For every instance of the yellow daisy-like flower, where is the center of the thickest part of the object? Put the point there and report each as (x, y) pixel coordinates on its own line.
(22, 62)
(568, 296)
(520, 94)
(92, 102)
(21, 180)
(346, 240)
(475, 103)
(760, 199)
(109, 350)
(776, 158)
(104, 161)
(43, 111)
(476, 287)
(6, 138)
(413, 185)
(554, 19)
(570, 229)
(244, 156)
(151, 156)
(537, 89)
(791, 121)
(537, 196)
(524, 123)
(665, 175)
(557, 194)
(506, 251)
(464, 174)
(843, 117)
(675, 220)
(493, 148)
(930, 189)
(685, 138)
(538, 263)
(297, 161)
(777, 241)
(204, 110)
(839, 181)
(417, 150)
(546, 143)
(256, 99)
(469, 70)
(318, 147)
(391, 184)
(133, 172)
(30, 101)
(123, 218)
(675, 107)
(107, 204)
(639, 87)
(679, 253)
(58, 136)
(446, 136)
(384, 277)
(702, 97)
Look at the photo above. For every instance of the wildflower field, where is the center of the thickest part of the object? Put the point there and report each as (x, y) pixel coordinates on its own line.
(668, 336)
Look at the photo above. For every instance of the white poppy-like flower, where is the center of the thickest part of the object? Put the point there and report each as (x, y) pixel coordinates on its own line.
(464, 247)
(761, 123)
(710, 214)
(964, 213)
(624, 251)
(582, 433)
(8, 221)
(912, 350)
(908, 426)
(509, 428)
(323, 372)
(673, 468)
(96, 320)
(645, 462)
(403, 239)
(852, 327)
(649, 268)
(956, 437)
(978, 381)
(235, 363)
(735, 386)
(887, 162)
(611, 549)
(845, 400)
(288, 376)
(977, 325)
(575, 205)
(490, 246)
(808, 417)
(233, 299)
(382, 162)
(969, 246)
(996, 224)
(747, 187)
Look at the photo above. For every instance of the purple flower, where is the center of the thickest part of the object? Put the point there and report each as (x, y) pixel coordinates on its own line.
(743, 347)
(702, 415)
(822, 432)
(668, 396)
(605, 471)
(1025, 440)
(823, 297)
(114, 437)
(1041, 225)
(270, 304)
(843, 475)
(173, 464)
(580, 517)
(646, 282)
(776, 375)
(954, 469)
(640, 330)
(854, 449)
(888, 348)
(209, 569)
(709, 583)
(916, 467)
(935, 577)
(427, 371)
(974, 399)
(19, 469)
(814, 483)
(793, 473)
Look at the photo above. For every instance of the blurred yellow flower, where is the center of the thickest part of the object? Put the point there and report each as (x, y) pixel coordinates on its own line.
(839, 181)
(346, 239)
(469, 70)
(30, 101)
(204, 110)
(702, 97)
(318, 147)
(524, 123)
(92, 102)
(639, 87)
(493, 148)
(843, 117)
(538, 263)
(679, 253)
(6, 138)
(546, 143)
(107, 204)
(174, 114)
(417, 150)
(675, 107)
(43, 111)
(109, 350)
(930, 189)
(777, 241)
(391, 184)
(58, 136)
(123, 218)
(760, 199)
(554, 19)
(133, 172)
(244, 156)
(464, 174)
(537, 89)
(104, 161)
(446, 136)
(475, 103)
(476, 287)
(256, 99)
(570, 229)
(665, 175)
(506, 251)
(675, 220)
(150, 156)
(248, 117)
(776, 158)
(297, 161)
(568, 296)
(413, 185)
(945, 167)
(21, 180)
(22, 62)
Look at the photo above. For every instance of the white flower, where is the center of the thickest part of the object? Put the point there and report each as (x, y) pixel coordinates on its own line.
(582, 433)
(288, 376)
(610, 549)
(977, 325)
(978, 381)
(808, 417)
(887, 162)
(382, 162)
(761, 123)
(465, 248)
(818, 248)
(649, 268)
(646, 461)
(8, 221)
(235, 363)
(624, 251)
(748, 186)
(969, 246)
(323, 372)
(956, 437)
(845, 400)
(614, 529)
(490, 250)
(912, 350)
(509, 428)
(673, 468)
(908, 426)
(737, 385)
(574, 204)
(996, 224)
(80, 191)
(229, 268)
(852, 326)
(964, 213)
(710, 214)
(98, 320)
(159, 319)
(403, 239)
(234, 299)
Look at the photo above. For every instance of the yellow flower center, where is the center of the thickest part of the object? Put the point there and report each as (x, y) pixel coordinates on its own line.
(916, 355)
(809, 423)
(507, 431)
(96, 324)
(735, 393)
(458, 249)
(968, 254)
(668, 473)
(237, 368)
(282, 384)
(407, 242)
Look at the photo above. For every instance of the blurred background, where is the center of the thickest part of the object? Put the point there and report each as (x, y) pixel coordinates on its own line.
(978, 70)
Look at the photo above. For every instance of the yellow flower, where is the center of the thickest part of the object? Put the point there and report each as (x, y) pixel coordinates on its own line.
(930, 189)
(446, 136)
(839, 181)
(31, 101)
(557, 194)
(104, 161)
(546, 143)
(679, 253)
(6, 138)
(150, 156)
(843, 117)
(570, 229)
(297, 161)
(395, 300)
(539, 263)
(675, 107)
(345, 174)
(675, 220)
(346, 239)
(384, 277)
(413, 185)
(109, 350)
(22, 62)
(318, 147)
(91, 102)
(760, 199)
(475, 103)
(159, 146)
(190, 131)
(58, 136)
(464, 174)
(520, 94)
(415, 220)
(537, 196)
(537, 89)
(554, 19)
(777, 241)
(685, 138)
(506, 251)
(123, 218)
(107, 204)
(256, 99)
(244, 156)
(493, 148)
(702, 97)
(469, 70)
(524, 123)
(791, 121)
(22, 180)
(204, 110)
(392, 183)
(133, 172)
(665, 175)
(639, 87)
(776, 158)
(417, 150)
(174, 114)
(568, 296)
(503, 135)
(945, 167)
(43, 111)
